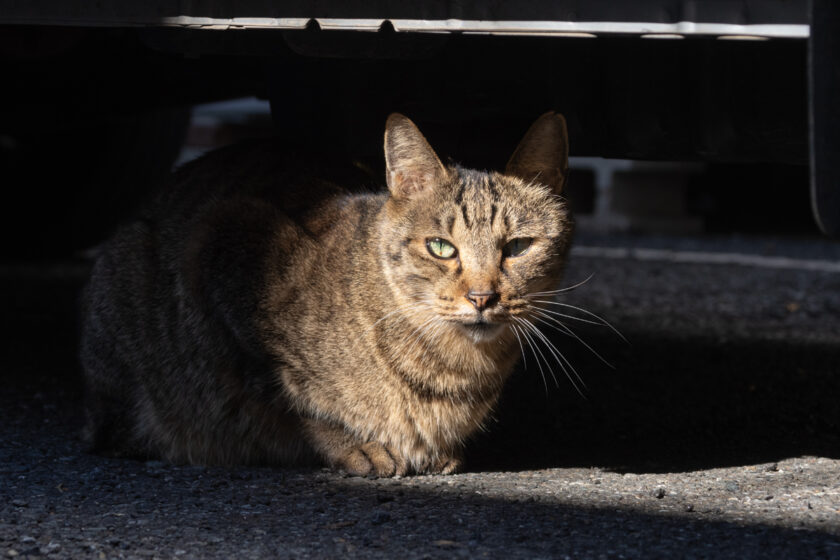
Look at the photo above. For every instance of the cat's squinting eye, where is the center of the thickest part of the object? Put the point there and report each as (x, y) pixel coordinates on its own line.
(441, 248)
(517, 247)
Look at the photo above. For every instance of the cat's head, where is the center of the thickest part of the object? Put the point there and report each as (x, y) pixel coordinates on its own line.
(464, 250)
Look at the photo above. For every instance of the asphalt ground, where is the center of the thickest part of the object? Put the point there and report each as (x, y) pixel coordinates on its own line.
(713, 433)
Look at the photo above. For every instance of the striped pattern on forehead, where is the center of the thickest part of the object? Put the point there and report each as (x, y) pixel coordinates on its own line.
(476, 197)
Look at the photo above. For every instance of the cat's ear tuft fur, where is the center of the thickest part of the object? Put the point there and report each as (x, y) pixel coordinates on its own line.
(411, 165)
(543, 154)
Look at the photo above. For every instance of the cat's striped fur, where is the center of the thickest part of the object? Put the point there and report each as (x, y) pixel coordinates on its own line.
(262, 313)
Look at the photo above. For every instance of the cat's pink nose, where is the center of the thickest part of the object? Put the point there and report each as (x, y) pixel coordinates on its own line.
(482, 300)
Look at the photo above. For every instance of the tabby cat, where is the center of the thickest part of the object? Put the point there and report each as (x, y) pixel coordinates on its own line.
(261, 313)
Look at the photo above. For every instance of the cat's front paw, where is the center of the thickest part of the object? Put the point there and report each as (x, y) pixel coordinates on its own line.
(443, 465)
(372, 459)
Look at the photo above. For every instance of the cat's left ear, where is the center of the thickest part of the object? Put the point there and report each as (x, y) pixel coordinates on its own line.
(412, 167)
(543, 154)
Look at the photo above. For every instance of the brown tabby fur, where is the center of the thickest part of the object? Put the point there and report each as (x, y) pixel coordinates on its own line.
(261, 313)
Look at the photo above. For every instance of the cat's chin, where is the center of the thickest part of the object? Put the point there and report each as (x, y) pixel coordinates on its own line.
(481, 332)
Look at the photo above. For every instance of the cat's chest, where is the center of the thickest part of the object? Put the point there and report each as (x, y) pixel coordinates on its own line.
(436, 406)
(445, 421)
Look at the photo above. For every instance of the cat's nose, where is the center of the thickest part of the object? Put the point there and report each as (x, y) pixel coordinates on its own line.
(482, 300)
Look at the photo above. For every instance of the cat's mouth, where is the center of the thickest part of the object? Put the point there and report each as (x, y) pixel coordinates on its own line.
(481, 331)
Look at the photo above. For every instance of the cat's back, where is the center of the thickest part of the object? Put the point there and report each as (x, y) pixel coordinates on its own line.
(229, 203)
(233, 199)
(294, 181)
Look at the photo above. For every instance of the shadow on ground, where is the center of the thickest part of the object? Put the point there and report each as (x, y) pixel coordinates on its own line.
(671, 405)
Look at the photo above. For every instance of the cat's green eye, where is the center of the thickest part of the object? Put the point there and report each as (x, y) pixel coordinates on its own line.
(517, 247)
(441, 248)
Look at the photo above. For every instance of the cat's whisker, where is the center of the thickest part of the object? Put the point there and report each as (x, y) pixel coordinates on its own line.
(562, 290)
(436, 328)
(564, 328)
(536, 357)
(603, 321)
(562, 358)
(521, 348)
(410, 306)
(419, 303)
(526, 327)
(428, 329)
(419, 332)
(410, 338)
(572, 317)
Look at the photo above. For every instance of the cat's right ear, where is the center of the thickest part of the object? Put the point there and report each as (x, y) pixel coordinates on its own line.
(411, 165)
